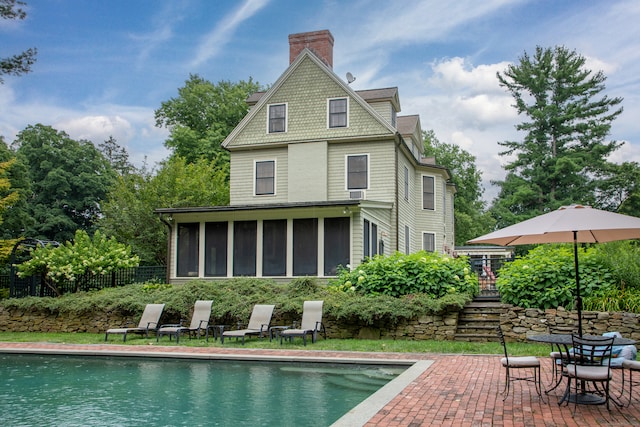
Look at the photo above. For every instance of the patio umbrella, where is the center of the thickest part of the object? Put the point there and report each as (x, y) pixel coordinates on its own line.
(575, 223)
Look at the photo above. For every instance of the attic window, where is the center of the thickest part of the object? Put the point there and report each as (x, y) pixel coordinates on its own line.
(338, 113)
(277, 118)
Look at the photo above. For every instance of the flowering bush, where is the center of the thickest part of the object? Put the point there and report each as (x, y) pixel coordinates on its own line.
(85, 255)
(545, 277)
(423, 272)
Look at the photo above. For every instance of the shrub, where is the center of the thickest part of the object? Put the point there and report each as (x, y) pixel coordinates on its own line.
(545, 277)
(430, 273)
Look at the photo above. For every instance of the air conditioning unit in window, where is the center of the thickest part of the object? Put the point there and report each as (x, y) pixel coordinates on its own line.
(356, 195)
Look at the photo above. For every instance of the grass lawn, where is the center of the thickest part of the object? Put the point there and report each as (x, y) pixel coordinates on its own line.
(401, 346)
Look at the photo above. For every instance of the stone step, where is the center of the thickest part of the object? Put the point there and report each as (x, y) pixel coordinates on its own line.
(476, 337)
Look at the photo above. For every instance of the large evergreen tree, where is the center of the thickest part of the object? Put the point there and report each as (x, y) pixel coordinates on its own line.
(563, 156)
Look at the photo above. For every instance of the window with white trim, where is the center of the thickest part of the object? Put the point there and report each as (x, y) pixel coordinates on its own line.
(265, 177)
(406, 183)
(357, 172)
(277, 118)
(428, 193)
(429, 242)
(338, 113)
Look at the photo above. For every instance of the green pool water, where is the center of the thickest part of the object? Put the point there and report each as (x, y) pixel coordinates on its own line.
(101, 391)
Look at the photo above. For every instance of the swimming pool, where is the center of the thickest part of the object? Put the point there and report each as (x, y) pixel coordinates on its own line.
(107, 391)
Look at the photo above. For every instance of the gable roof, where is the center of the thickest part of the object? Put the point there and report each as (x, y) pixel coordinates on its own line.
(259, 99)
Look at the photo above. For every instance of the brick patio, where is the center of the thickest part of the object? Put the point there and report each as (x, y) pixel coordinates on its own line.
(456, 390)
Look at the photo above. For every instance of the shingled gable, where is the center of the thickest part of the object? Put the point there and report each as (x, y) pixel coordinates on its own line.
(266, 96)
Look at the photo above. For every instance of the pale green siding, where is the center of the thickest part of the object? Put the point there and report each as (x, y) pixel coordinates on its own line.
(242, 176)
(381, 169)
(308, 165)
(306, 92)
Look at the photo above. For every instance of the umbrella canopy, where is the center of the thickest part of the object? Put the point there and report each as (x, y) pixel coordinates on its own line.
(592, 226)
(575, 223)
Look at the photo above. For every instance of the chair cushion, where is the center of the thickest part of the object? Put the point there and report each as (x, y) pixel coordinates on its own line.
(521, 362)
(589, 373)
(634, 365)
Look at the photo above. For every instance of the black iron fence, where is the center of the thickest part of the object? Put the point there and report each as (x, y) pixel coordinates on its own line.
(36, 286)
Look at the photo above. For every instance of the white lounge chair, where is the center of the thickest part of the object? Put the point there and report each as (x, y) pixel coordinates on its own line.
(199, 323)
(148, 322)
(258, 324)
(311, 323)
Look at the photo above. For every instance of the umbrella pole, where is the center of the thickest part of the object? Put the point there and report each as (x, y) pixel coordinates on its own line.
(578, 297)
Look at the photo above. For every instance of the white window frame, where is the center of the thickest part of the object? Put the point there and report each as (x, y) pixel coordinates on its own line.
(346, 98)
(346, 171)
(406, 183)
(255, 176)
(286, 117)
(424, 233)
(422, 192)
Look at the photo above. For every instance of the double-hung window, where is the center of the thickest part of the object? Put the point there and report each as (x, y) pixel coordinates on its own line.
(428, 193)
(338, 113)
(277, 118)
(265, 177)
(429, 242)
(357, 172)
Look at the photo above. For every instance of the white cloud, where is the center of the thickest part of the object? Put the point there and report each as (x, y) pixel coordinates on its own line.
(215, 41)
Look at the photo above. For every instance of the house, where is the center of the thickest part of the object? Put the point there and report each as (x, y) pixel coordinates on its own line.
(321, 176)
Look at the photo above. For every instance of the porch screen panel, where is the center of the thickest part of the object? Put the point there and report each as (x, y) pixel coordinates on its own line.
(374, 239)
(336, 245)
(215, 249)
(305, 247)
(188, 249)
(244, 248)
(274, 247)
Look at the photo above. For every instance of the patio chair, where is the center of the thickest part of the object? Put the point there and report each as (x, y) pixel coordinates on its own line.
(519, 363)
(311, 323)
(148, 322)
(199, 323)
(632, 366)
(258, 324)
(592, 364)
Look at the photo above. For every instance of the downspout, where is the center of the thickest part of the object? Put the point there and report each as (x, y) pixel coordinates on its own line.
(170, 227)
(397, 202)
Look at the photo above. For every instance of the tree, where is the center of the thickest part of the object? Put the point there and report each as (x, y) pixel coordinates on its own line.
(21, 63)
(128, 210)
(68, 180)
(15, 216)
(116, 155)
(470, 217)
(202, 116)
(562, 158)
(72, 260)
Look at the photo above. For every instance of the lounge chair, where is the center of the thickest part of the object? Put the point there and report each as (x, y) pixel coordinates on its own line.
(258, 324)
(199, 323)
(148, 322)
(311, 323)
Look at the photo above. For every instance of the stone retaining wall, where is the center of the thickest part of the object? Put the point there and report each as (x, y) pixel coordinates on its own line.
(518, 322)
(440, 327)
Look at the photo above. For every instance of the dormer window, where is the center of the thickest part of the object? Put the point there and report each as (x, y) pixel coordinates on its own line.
(265, 178)
(277, 118)
(338, 109)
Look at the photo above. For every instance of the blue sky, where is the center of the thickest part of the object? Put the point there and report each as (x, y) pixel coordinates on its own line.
(104, 66)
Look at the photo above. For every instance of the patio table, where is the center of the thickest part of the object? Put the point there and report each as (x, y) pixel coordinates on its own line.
(563, 342)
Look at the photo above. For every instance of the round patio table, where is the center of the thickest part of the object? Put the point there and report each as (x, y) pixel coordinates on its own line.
(562, 342)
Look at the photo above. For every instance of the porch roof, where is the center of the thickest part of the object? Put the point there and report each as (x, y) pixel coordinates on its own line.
(236, 208)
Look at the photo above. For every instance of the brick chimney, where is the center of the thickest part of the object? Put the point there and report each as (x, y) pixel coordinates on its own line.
(319, 42)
